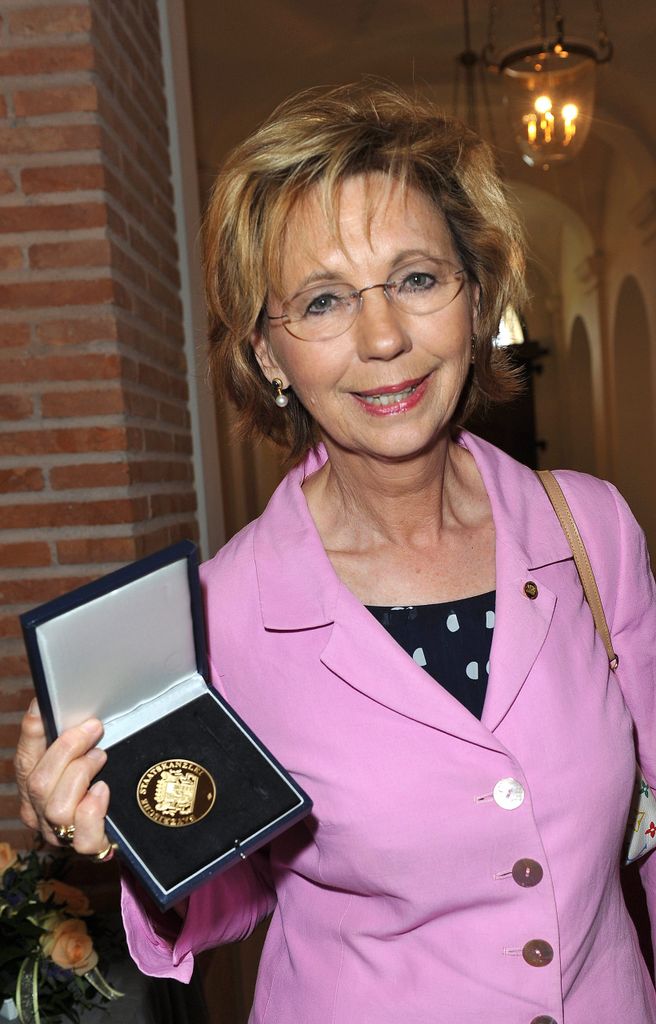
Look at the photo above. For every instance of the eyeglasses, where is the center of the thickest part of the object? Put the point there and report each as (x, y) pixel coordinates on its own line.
(323, 312)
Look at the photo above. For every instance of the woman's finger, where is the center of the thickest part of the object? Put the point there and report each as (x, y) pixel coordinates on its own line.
(54, 781)
(45, 774)
(39, 769)
(30, 749)
(69, 791)
(90, 836)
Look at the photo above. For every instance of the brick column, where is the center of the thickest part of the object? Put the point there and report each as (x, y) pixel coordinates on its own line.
(95, 443)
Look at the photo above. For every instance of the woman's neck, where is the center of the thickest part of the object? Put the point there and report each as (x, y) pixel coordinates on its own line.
(357, 500)
(415, 532)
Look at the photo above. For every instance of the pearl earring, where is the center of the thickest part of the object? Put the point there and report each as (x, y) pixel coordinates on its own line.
(281, 398)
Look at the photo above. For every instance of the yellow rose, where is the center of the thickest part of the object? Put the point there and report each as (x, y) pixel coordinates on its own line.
(8, 857)
(70, 946)
(67, 896)
(50, 923)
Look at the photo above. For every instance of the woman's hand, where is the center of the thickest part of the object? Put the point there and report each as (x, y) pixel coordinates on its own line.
(54, 782)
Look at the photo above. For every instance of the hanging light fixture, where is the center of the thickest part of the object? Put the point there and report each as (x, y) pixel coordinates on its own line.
(549, 85)
(470, 68)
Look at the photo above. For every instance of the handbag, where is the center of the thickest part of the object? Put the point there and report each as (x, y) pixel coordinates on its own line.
(641, 826)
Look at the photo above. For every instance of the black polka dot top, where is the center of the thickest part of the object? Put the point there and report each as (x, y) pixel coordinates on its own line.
(451, 641)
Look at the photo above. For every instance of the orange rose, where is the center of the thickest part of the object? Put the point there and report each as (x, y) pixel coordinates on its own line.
(70, 946)
(67, 896)
(8, 857)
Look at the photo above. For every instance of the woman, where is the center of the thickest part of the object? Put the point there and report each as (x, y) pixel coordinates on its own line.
(462, 862)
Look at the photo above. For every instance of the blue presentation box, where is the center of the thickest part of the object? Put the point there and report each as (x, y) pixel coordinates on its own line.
(192, 788)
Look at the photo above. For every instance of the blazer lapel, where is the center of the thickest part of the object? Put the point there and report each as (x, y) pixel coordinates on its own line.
(521, 625)
(528, 536)
(362, 653)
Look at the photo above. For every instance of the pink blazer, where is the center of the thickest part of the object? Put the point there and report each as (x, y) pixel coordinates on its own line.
(454, 871)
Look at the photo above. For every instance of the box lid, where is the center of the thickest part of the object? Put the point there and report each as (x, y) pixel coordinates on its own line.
(119, 642)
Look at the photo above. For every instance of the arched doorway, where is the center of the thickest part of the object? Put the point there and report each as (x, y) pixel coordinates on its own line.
(581, 401)
(635, 447)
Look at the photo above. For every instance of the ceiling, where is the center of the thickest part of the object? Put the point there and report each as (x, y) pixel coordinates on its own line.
(247, 57)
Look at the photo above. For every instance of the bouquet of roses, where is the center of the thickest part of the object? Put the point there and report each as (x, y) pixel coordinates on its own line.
(48, 963)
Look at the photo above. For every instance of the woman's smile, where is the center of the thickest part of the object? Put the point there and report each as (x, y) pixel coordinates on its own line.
(394, 399)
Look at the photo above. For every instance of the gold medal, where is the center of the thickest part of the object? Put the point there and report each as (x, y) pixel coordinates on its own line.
(176, 792)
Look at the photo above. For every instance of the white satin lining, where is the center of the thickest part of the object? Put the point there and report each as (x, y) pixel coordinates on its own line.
(127, 657)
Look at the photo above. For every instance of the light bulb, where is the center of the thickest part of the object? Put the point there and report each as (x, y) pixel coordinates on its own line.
(570, 112)
(542, 104)
(531, 128)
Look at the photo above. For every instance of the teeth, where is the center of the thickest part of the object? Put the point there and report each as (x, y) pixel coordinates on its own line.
(399, 396)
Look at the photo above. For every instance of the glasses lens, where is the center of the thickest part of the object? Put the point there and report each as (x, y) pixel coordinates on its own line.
(426, 286)
(321, 313)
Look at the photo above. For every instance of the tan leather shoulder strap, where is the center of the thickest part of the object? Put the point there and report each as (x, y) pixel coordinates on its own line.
(581, 560)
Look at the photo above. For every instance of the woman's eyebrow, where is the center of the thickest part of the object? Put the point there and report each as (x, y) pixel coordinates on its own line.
(324, 275)
(411, 254)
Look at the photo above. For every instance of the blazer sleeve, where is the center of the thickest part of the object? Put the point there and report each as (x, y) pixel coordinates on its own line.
(634, 637)
(225, 909)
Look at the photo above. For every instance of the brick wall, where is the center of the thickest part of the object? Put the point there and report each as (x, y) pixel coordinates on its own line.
(95, 443)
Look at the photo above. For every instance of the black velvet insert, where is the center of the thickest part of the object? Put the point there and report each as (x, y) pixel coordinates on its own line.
(250, 794)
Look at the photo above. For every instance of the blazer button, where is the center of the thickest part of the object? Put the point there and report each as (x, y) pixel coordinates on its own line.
(508, 793)
(538, 953)
(527, 873)
(544, 1020)
(531, 590)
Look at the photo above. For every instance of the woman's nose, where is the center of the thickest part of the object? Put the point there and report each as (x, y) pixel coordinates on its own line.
(380, 331)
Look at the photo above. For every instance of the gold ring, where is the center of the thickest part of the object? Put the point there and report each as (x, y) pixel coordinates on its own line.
(105, 855)
(65, 834)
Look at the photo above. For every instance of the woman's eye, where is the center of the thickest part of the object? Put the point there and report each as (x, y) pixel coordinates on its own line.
(418, 281)
(327, 302)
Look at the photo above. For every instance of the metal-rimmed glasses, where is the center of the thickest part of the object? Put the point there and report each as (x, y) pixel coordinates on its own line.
(324, 311)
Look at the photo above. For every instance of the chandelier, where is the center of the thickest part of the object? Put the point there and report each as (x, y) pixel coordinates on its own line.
(549, 84)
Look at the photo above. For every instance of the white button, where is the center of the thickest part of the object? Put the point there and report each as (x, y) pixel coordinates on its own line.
(508, 793)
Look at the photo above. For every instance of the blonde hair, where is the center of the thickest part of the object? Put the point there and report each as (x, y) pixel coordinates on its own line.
(318, 138)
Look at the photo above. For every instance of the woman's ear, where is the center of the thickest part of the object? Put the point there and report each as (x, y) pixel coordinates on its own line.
(265, 357)
(475, 305)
